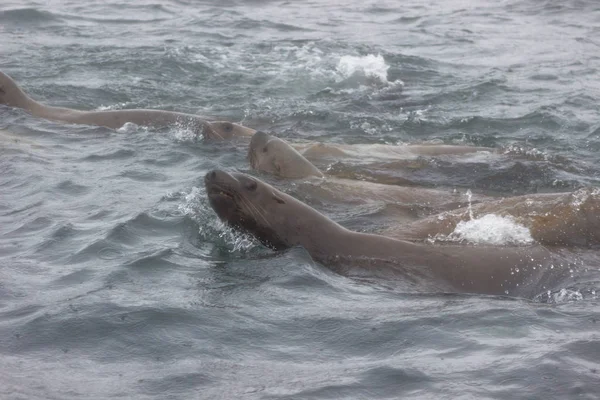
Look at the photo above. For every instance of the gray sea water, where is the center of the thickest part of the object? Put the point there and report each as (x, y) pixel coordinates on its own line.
(118, 281)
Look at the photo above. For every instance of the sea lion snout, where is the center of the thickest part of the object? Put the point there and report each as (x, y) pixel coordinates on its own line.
(217, 176)
(210, 176)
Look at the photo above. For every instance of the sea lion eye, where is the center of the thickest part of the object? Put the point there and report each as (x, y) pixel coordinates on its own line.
(265, 149)
(251, 186)
(228, 127)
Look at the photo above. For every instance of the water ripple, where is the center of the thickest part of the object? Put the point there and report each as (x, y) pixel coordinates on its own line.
(118, 280)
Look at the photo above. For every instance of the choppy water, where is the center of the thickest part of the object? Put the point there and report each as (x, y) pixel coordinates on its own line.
(117, 280)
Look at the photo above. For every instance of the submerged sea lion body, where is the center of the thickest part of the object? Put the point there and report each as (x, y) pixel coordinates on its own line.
(280, 221)
(379, 152)
(10, 139)
(12, 95)
(553, 219)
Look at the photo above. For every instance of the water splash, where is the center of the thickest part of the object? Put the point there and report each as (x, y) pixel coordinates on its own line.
(469, 195)
(116, 106)
(209, 227)
(580, 196)
(184, 134)
(129, 127)
(371, 66)
(563, 295)
(488, 229)
(191, 204)
(239, 242)
(530, 153)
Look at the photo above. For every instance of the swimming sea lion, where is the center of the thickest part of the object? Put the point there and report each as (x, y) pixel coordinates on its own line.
(362, 152)
(275, 156)
(12, 95)
(280, 221)
(553, 219)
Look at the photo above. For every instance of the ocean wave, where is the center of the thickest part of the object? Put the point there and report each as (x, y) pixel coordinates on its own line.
(27, 16)
(110, 154)
(250, 24)
(118, 279)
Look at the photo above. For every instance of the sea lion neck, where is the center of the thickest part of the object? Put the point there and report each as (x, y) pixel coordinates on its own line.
(13, 96)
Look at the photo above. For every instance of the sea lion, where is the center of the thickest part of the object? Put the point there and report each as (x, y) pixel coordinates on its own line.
(272, 155)
(280, 221)
(12, 95)
(275, 156)
(361, 152)
(553, 219)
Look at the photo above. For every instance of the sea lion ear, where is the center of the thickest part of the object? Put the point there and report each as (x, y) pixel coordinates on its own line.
(277, 198)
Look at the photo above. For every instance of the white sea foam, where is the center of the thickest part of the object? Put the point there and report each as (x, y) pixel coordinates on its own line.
(488, 229)
(117, 106)
(128, 127)
(579, 197)
(183, 134)
(370, 65)
(562, 296)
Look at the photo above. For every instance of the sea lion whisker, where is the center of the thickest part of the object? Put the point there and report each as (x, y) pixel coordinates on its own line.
(258, 212)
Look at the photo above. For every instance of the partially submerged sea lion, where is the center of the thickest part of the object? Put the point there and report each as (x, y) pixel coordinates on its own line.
(281, 221)
(275, 156)
(12, 95)
(553, 219)
(361, 152)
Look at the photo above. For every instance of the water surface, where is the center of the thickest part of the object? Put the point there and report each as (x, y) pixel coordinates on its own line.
(118, 281)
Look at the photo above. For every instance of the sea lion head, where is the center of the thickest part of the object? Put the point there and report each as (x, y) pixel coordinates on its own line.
(276, 219)
(11, 94)
(250, 205)
(273, 155)
(224, 130)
